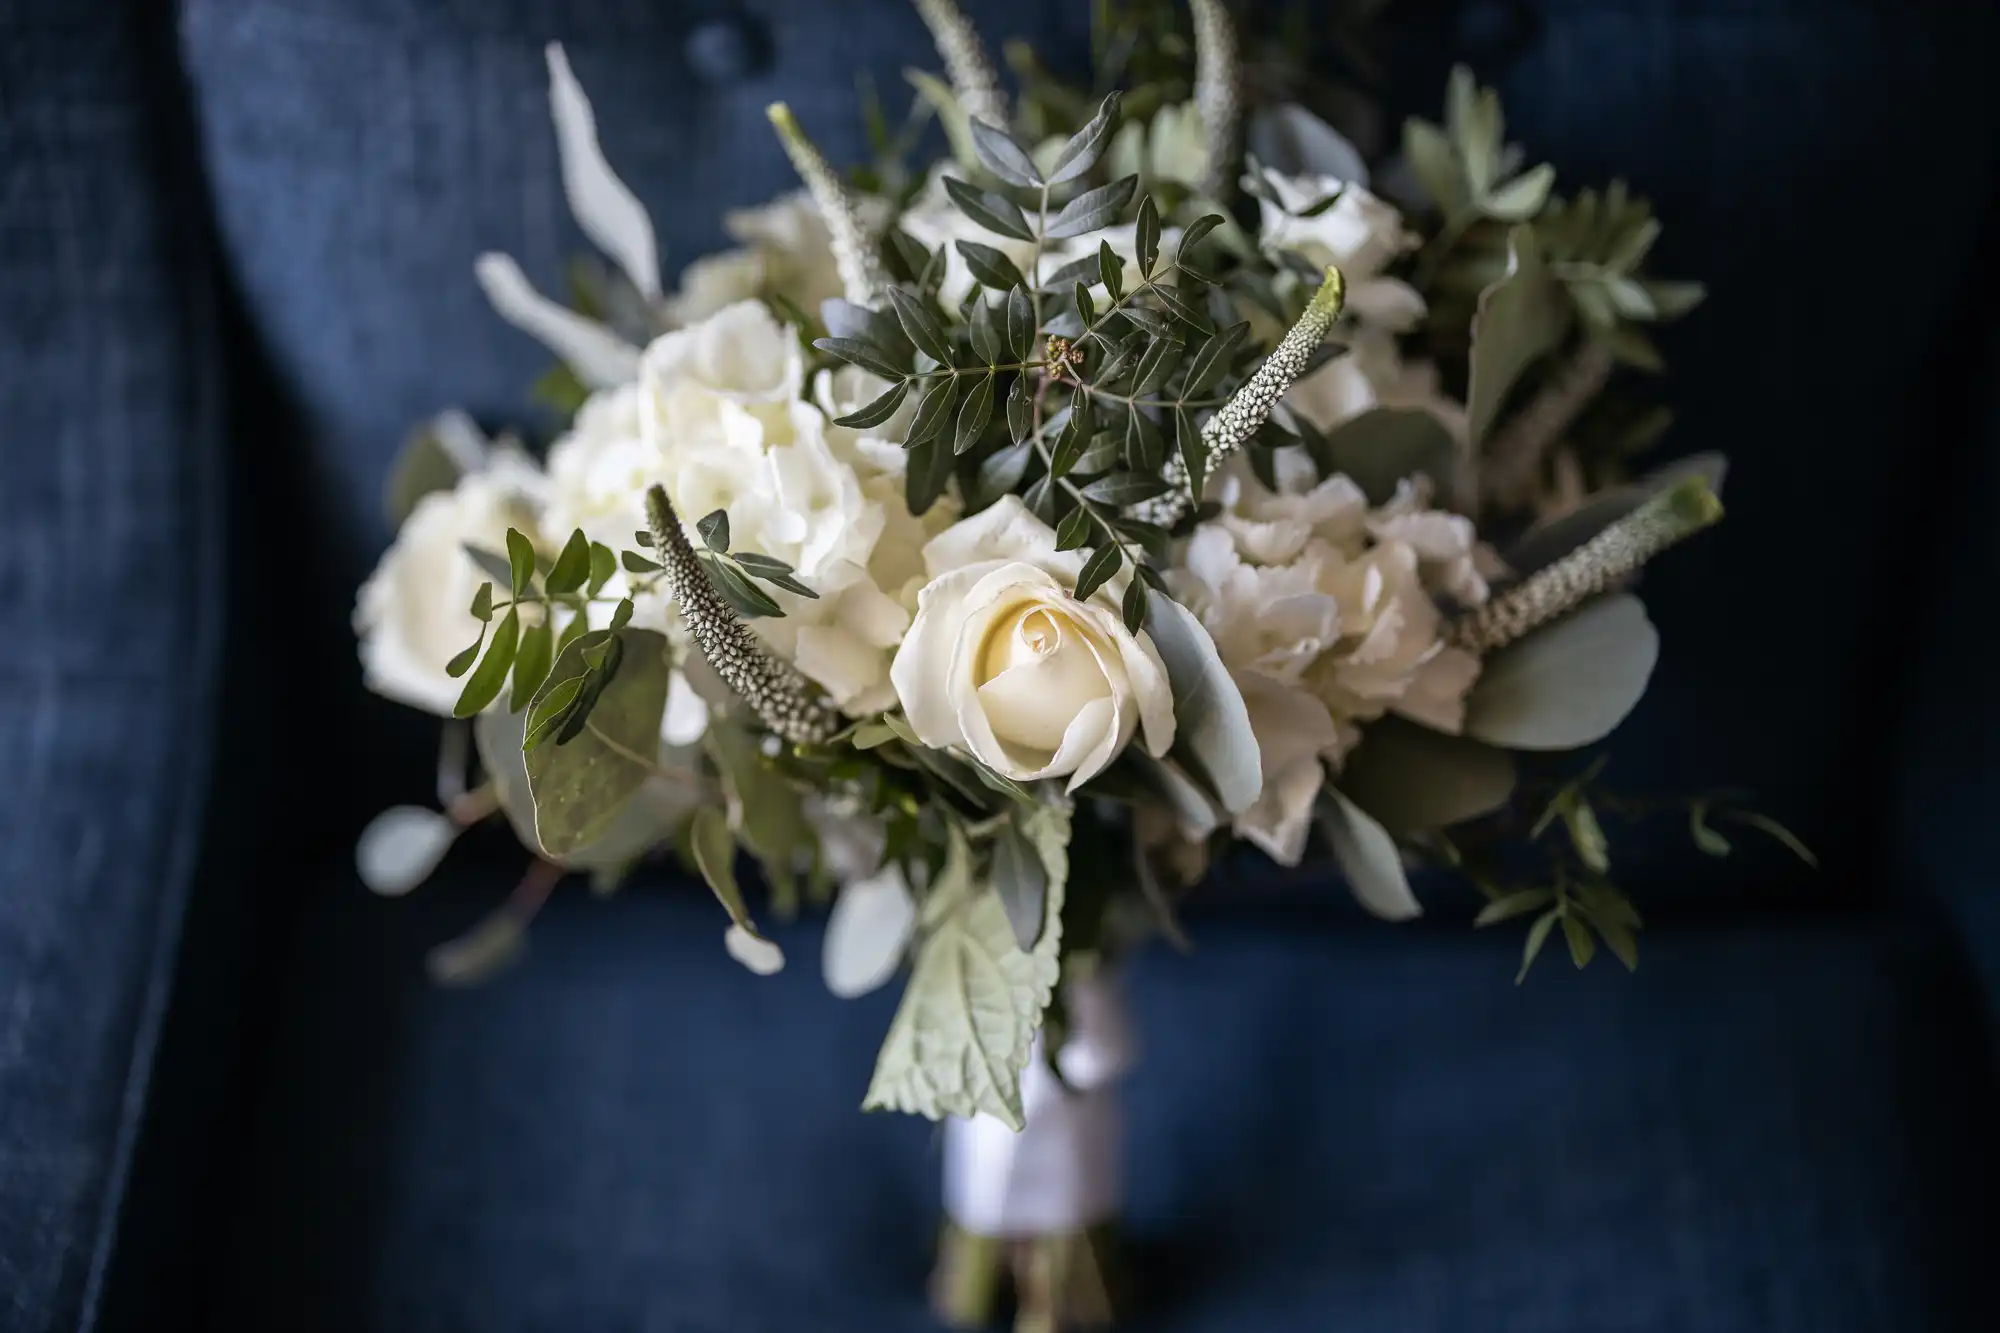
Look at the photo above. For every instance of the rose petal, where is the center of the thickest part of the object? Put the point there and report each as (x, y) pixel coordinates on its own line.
(600, 357)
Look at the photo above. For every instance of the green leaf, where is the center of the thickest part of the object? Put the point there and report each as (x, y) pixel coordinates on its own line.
(1071, 439)
(746, 598)
(485, 951)
(1136, 599)
(1415, 780)
(1003, 157)
(1435, 165)
(933, 410)
(1020, 410)
(1075, 529)
(950, 112)
(1368, 858)
(603, 565)
(1772, 829)
(1110, 271)
(1705, 835)
(1193, 451)
(926, 475)
(1097, 570)
(1145, 447)
(1538, 935)
(482, 687)
(863, 354)
(423, 466)
(520, 562)
(1157, 365)
(1147, 319)
(1586, 835)
(1569, 683)
(1086, 309)
(1508, 906)
(1384, 445)
(1093, 210)
(1101, 455)
(968, 1018)
(1671, 300)
(774, 572)
(551, 712)
(1020, 323)
(572, 568)
(1121, 490)
(1212, 725)
(621, 614)
(637, 564)
(996, 213)
(990, 267)
(1582, 947)
(1521, 198)
(1520, 318)
(1197, 231)
(531, 662)
(1211, 359)
(921, 326)
(1080, 154)
(482, 604)
(878, 411)
(845, 319)
(714, 530)
(1020, 882)
(974, 415)
(1002, 470)
(581, 785)
(462, 663)
(1182, 309)
(1146, 237)
(769, 808)
(714, 848)
(491, 564)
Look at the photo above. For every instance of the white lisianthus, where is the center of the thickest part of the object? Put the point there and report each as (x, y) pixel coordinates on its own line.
(1172, 147)
(1004, 663)
(1360, 234)
(413, 614)
(781, 247)
(1325, 613)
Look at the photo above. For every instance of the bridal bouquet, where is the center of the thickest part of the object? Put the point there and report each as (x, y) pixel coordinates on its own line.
(986, 545)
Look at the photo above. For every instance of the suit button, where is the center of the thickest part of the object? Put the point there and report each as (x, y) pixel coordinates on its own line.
(725, 49)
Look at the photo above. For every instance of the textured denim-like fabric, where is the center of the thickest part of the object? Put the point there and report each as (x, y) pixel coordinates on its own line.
(110, 523)
(1775, 1128)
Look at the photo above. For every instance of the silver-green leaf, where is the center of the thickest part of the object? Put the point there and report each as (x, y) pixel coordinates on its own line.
(1569, 683)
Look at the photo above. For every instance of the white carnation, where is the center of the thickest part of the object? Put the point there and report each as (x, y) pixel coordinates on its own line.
(1325, 613)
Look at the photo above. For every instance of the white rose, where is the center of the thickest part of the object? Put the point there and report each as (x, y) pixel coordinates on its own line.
(781, 247)
(842, 390)
(1173, 147)
(413, 614)
(1004, 663)
(1360, 234)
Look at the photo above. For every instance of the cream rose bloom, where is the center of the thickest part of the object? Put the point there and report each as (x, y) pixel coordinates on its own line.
(1360, 234)
(717, 418)
(1326, 614)
(1003, 663)
(412, 616)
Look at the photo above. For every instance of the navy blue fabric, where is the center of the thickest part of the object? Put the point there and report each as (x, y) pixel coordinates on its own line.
(110, 531)
(1772, 1127)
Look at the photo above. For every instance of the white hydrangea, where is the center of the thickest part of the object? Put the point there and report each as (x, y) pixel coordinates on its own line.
(1326, 612)
(717, 418)
(781, 247)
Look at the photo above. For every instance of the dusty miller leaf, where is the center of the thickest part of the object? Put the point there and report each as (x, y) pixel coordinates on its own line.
(968, 1018)
(1569, 683)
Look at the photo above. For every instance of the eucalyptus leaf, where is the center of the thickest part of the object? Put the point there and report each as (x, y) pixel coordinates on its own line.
(968, 1018)
(580, 786)
(1520, 319)
(1569, 683)
(1384, 445)
(531, 662)
(714, 848)
(1414, 780)
(1212, 725)
(1368, 858)
(714, 530)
